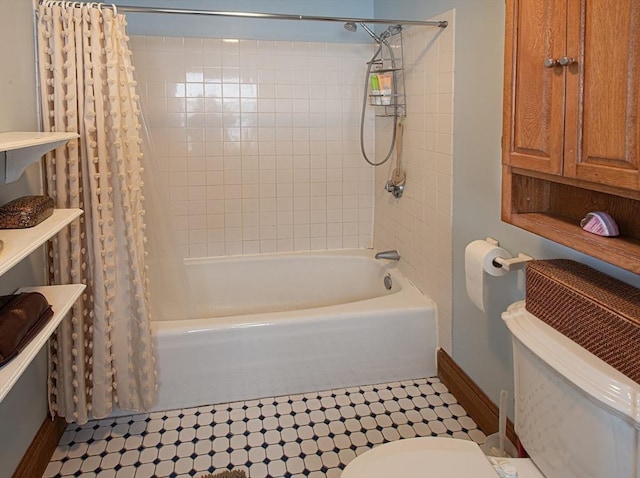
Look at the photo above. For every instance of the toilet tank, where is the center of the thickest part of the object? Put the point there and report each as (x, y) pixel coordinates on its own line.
(575, 415)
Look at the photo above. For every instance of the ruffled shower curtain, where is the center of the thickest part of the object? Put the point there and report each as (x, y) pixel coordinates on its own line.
(102, 354)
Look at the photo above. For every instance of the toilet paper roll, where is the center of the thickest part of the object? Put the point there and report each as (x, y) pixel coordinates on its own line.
(478, 261)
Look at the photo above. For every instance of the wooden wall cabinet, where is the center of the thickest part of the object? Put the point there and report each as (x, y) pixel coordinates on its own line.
(571, 122)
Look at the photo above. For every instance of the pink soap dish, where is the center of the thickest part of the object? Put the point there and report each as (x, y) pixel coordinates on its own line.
(600, 223)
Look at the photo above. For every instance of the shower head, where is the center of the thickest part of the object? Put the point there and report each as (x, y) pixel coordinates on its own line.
(394, 29)
(350, 26)
(390, 31)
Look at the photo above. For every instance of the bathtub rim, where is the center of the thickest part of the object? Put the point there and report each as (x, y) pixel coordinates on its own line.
(366, 253)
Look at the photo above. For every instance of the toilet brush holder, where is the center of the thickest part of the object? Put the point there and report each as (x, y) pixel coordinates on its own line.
(498, 444)
(491, 447)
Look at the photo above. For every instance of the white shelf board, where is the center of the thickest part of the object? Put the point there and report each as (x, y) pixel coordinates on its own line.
(19, 243)
(26, 139)
(24, 148)
(61, 298)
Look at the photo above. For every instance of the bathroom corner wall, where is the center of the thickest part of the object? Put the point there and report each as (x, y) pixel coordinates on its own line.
(257, 142)
(419, 225)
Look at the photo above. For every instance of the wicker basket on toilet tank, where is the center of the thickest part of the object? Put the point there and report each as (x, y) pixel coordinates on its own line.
(598, 312)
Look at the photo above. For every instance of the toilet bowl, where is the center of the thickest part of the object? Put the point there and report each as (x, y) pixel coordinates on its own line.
(576, 416)
(432, 457)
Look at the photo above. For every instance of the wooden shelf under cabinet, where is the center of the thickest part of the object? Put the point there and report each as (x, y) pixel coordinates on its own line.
(554, 209)
(622, 251)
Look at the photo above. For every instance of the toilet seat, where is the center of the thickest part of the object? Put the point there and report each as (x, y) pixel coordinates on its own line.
(422, 458)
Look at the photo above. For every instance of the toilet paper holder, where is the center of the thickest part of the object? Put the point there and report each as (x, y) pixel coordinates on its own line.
(511, 264)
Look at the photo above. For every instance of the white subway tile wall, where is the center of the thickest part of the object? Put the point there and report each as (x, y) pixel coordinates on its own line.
(257, 142)
(419, 225)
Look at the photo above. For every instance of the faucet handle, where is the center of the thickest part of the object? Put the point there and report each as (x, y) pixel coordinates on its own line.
(395, 190)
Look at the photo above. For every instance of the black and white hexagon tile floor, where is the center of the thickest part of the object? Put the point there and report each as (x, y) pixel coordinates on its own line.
(308, 435)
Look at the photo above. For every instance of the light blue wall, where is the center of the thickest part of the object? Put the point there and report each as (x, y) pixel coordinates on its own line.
(25, 407)
(481, 342)
(289, 30)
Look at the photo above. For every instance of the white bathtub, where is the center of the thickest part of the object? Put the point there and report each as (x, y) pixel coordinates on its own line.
(282, 324)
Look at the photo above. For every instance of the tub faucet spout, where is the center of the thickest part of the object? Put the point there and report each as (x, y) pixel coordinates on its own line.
(389, 255)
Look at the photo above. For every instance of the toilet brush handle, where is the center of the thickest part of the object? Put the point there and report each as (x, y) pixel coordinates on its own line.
(502, 418)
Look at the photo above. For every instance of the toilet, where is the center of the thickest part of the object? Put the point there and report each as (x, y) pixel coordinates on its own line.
(575, 415)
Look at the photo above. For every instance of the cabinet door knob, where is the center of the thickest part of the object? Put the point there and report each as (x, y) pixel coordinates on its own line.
(566, 61)
(550, 63)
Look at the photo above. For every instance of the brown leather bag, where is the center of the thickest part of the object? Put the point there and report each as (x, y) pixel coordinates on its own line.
(22, 316)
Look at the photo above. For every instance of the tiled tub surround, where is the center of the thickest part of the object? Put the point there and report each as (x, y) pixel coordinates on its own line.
(420, 224)
(312, 435)
(258, 142)
(257, 312)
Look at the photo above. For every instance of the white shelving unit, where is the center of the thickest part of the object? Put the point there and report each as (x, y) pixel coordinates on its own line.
(19, 243)
(24, 147)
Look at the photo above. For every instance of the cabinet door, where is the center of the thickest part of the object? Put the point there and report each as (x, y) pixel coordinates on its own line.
(603, 92)
(533, 120)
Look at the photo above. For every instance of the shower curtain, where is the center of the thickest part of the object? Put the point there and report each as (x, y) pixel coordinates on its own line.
(102, 354)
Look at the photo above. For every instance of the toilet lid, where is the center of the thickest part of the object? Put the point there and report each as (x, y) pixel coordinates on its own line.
(422, 458)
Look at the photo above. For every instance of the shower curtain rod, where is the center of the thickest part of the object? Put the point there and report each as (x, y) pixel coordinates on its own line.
(277, 16)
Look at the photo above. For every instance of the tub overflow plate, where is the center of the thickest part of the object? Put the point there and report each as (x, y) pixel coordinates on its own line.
(388, 283)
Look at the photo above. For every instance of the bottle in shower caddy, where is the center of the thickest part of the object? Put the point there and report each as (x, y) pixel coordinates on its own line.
(385, 81)
(375, 90)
